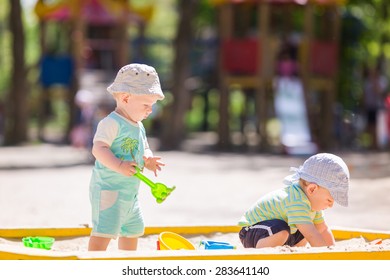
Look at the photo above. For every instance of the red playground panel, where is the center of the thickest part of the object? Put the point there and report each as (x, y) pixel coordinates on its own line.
(323, 58)
(240, 56)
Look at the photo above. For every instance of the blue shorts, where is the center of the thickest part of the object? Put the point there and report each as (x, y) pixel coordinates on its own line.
(250, 235)
(116, 213)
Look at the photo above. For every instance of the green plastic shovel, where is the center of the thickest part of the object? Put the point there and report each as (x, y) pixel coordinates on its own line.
(159, 190)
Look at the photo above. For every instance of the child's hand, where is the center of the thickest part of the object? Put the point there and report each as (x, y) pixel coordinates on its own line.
(153, 164)
(127, 168)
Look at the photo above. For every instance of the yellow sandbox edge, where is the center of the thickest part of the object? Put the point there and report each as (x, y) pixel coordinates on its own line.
(8, 252)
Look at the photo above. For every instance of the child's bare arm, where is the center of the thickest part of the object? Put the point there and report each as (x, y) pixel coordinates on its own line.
(312, 235)
(101, 151)
(326, 233)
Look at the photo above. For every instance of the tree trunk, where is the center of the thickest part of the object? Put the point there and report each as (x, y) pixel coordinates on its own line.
(16, 106)
(174, 126)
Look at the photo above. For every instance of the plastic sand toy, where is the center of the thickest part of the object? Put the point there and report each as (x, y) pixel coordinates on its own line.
(172, 241)
(38, 242)
(159, 190)
(216, 245)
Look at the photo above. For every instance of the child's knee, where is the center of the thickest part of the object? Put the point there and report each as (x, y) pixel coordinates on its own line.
(282, 236)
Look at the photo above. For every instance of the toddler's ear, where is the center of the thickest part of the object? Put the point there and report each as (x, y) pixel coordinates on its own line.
(311, 188)
(125, 98)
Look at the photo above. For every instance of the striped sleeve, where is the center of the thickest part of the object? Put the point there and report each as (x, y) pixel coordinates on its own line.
(319, 217)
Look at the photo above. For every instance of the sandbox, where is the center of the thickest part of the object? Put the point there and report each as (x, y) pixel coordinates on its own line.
(71, 243)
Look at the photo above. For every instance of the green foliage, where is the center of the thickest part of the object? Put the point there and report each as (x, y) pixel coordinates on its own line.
(160, 32)
(5, 49)
(205, 16)
(31, 49)
(197, 115)
(374, 14)
(365, 41)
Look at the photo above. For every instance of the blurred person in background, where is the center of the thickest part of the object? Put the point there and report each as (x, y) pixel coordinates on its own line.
(375, 85)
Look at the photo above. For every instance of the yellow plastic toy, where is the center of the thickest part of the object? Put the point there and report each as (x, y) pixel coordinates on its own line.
(172, 241)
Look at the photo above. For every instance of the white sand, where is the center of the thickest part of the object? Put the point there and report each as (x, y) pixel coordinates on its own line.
(149, 243)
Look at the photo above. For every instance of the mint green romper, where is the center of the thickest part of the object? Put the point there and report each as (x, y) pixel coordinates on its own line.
(113, 196)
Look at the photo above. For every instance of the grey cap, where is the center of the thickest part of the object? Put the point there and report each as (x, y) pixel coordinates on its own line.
(326, 170)
(137, 79)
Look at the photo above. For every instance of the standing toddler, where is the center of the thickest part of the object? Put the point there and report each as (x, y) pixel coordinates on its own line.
(119, 146)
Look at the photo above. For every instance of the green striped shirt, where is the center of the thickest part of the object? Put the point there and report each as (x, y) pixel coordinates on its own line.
(289, 204)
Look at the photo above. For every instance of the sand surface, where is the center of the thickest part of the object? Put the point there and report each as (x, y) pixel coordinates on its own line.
(149, 243)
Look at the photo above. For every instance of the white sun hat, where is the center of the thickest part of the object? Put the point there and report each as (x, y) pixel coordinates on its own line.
(326, 170)
(138, 79)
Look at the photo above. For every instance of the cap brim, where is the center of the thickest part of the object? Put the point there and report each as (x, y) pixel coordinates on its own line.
(341, 198)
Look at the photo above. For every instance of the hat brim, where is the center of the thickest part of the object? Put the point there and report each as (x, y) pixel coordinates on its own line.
(136, 90)
(340, 197)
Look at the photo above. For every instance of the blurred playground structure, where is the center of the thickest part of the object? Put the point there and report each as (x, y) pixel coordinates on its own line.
(250, 50)
(263, 76)
(77, 36)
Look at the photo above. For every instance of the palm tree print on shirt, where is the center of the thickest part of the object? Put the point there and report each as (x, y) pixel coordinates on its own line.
(130, 145)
